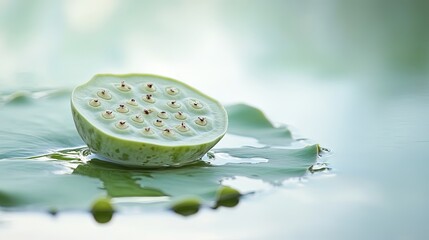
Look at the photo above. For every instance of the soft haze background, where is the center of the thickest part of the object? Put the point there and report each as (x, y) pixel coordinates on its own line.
(351, 75)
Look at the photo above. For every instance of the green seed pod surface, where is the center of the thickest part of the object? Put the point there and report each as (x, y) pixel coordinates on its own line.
(146, 120)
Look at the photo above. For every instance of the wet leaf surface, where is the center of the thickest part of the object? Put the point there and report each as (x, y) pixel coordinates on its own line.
(44, 165)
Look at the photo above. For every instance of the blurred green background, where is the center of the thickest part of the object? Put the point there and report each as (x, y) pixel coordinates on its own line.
(210, 42)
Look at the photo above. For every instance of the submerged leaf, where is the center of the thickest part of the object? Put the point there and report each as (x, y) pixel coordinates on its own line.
(42, 167)
(245, 120)
(37, 126)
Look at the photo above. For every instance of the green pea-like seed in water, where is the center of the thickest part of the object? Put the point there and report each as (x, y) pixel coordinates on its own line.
(146, 120)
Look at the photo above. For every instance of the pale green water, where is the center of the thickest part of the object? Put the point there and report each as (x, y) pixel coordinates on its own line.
(352, 77)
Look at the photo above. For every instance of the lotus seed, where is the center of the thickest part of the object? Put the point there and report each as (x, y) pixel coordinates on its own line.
(173, 104)
(124, 87)
(182, 127)
(108, 114)
(148, 98)
(147, 111)
(196, 104)
(179, 115)
(168, 132)
(158, 123)
(137, 118)
(147, 131)
(201, 121)
(172, 91)
(150, 87)
(132, 102)
(122, 108)
(94, 102)
(104, 94)
(122, 124)
(163, 115)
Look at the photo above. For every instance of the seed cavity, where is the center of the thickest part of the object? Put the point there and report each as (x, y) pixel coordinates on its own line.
(182, 127)
(137, 118)
(196, 104)
(202, 121)
(149, 98)
(147, 111)
(124, 87)
(150, 87)
(108, 114)
(158, 123)
(172, 91)
(122, 108)
(168, 132)
(132, 102)
(163, 115)
(121, 124)
(147, 131)
(104, 94)
(180, 115)
(94, 102)
(173, 104)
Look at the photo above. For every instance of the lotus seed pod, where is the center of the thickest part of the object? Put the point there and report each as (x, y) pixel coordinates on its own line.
(146, 120)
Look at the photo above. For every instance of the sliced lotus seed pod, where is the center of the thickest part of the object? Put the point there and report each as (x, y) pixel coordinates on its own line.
(169, 131)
